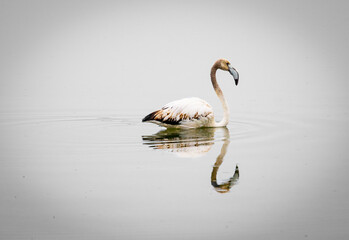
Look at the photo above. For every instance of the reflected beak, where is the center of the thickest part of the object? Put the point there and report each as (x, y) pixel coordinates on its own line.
(234, 73)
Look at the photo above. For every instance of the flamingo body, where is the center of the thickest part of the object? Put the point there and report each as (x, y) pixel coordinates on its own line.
(184, 113)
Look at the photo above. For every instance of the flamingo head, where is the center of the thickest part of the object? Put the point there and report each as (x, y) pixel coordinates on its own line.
(226, 66)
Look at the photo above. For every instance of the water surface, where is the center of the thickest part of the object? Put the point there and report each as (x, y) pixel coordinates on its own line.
(109, 176)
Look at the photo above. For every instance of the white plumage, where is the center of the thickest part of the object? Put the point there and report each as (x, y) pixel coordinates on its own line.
(194, 112)
(187, 112)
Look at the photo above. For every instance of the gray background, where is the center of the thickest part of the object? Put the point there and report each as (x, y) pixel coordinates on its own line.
(111, 55)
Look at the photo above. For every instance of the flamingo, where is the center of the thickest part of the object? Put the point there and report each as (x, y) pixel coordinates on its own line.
(194, 112)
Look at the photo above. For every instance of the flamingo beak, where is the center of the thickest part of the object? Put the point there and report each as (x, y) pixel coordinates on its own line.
(234, 73)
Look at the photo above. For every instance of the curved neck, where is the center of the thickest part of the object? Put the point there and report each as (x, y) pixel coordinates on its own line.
(224, 122)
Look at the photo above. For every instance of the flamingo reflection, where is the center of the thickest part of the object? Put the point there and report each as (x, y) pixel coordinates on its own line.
(193, 143)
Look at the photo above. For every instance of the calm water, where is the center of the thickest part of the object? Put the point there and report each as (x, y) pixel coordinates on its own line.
(107, 176)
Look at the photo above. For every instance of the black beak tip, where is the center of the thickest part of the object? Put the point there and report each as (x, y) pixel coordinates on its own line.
(235, 74)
